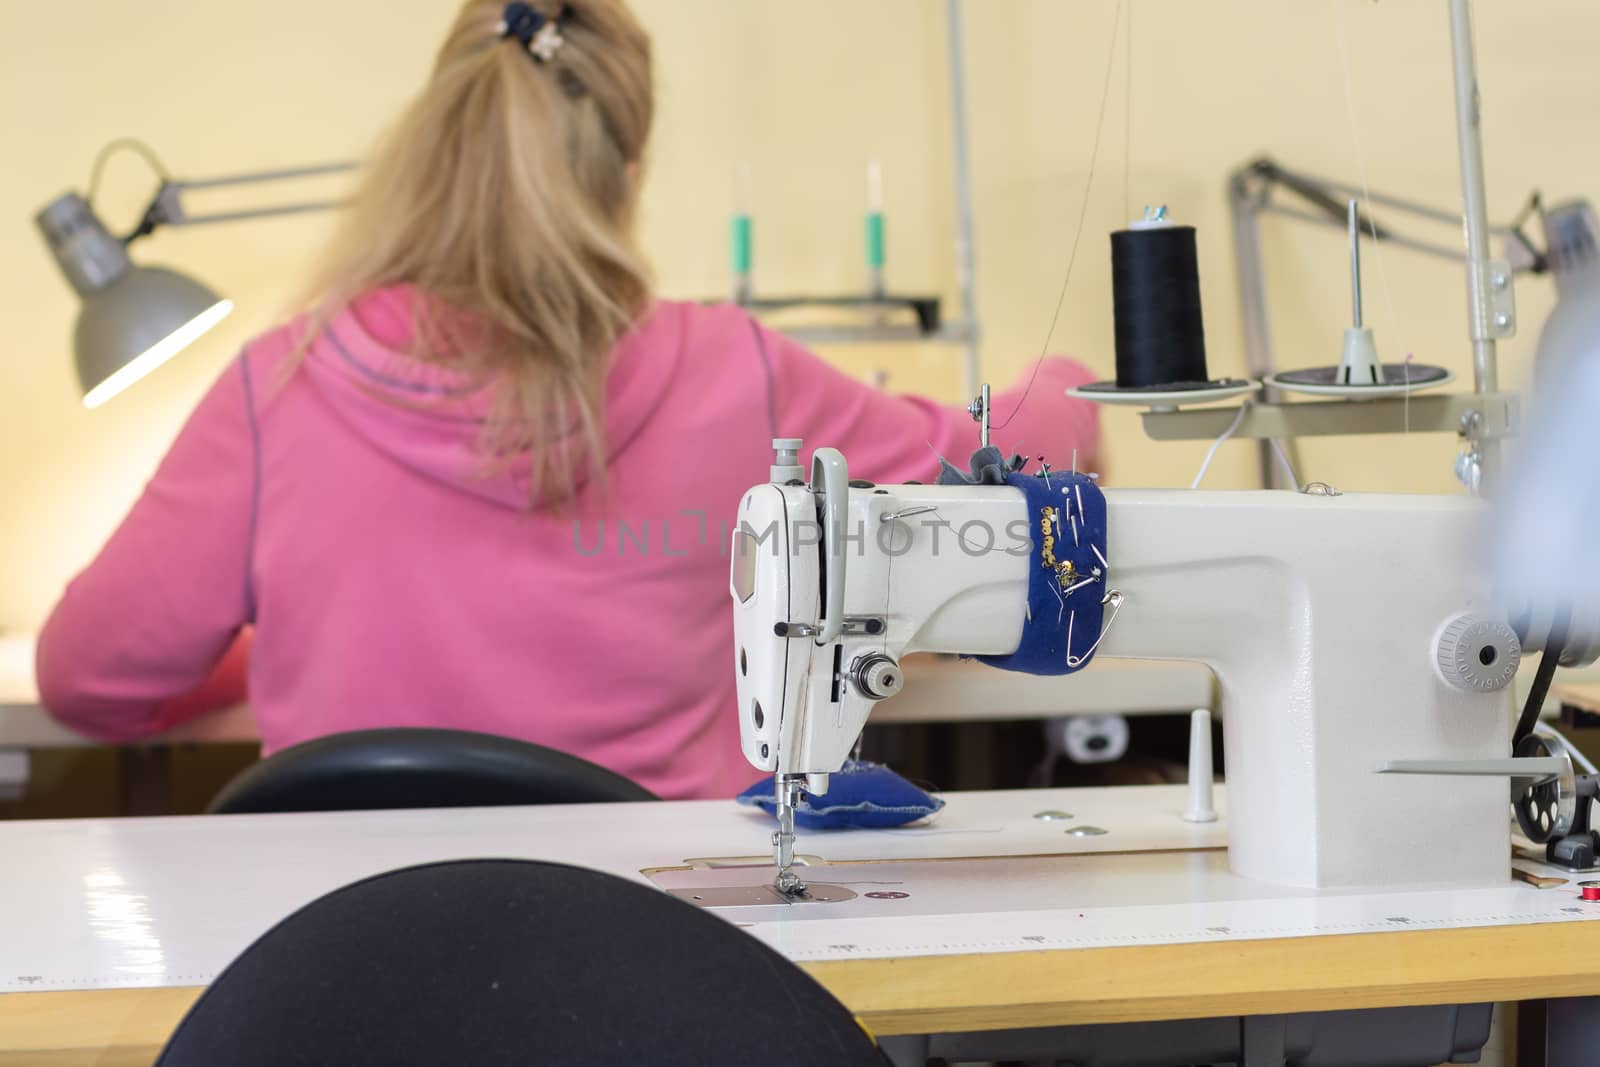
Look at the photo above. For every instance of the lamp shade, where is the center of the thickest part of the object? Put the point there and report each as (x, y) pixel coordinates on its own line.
(137, 323)
(133, 318)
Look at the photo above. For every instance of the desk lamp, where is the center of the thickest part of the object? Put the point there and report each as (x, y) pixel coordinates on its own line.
(133, 317)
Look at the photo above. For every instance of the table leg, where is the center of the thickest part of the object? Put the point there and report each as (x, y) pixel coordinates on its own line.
(905, 1050)
(1261, 1040)
(146, 780)
(13, 773)
(1572, 1031)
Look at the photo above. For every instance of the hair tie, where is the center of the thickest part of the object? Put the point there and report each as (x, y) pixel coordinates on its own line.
(539, 33)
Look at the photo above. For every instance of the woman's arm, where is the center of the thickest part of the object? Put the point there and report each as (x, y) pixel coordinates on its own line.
(150, 618)
(889, 438)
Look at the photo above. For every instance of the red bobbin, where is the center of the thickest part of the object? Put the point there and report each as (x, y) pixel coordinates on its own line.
(1589, 890)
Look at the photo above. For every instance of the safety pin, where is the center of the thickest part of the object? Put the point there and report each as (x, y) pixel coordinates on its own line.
(1115, 597)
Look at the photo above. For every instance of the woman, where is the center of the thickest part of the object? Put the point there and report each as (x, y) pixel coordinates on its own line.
(483, 484)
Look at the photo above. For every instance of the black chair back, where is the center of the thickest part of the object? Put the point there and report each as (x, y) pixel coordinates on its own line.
(419, 768)
(495, 963)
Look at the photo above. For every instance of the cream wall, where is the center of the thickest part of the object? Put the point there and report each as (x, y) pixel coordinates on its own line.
(805, 94)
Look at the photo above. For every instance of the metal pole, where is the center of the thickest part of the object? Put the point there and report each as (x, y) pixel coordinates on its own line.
(1355, 266)
(1247, 201)
(1468, 135)
(961, 158)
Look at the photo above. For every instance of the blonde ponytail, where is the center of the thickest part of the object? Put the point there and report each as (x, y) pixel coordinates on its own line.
(506, 195)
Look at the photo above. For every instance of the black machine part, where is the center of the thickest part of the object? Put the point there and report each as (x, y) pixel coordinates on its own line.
(1555, 813)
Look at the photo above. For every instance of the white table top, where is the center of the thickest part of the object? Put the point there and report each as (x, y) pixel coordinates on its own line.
(96, 904)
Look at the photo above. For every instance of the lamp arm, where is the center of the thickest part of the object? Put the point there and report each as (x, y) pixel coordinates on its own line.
(262, 177)
(167, 207)
(1257, 180)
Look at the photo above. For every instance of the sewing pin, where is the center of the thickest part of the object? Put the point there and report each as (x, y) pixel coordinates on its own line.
(1046, 467)
(1074, 462)
(1100, 556)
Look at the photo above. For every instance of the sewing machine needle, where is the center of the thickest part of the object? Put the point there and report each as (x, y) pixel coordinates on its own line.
(788, 883)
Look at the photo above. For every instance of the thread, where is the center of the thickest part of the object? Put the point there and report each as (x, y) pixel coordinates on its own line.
(1083, 213)
(1155, 292)
(1343, 43)
(1283, 461)
(1211, 452)
(1127, 117)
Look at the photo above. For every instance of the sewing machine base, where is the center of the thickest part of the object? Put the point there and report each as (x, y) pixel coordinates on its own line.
(1072, 901)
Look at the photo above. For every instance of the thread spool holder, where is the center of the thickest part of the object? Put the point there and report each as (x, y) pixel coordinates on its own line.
(1480, 418)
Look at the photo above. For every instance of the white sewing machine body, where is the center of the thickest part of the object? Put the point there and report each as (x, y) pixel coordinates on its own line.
(1322, 617)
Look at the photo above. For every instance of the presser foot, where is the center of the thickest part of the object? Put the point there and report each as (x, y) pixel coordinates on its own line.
(787, 795)
(765, 895)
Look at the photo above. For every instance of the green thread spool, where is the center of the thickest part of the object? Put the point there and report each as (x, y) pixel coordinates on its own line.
(875, 241)
(740, 244)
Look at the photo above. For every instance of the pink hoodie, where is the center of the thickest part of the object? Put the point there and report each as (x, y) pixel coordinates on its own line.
(392, 583)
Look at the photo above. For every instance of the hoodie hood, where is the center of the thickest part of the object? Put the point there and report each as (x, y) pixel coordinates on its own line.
(430, 418)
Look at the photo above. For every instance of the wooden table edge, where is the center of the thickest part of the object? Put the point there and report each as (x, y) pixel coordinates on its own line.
(1054, 987)
(1193, 980)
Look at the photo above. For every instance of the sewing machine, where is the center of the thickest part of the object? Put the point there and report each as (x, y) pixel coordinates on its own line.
(1350, 634)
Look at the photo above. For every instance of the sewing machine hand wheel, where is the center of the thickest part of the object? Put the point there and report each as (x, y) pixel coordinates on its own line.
(1545, 810)
(830, 480)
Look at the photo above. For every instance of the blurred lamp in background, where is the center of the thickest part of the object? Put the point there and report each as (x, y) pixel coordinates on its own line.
(135, 318)
(1572, 248)
(1549, 515)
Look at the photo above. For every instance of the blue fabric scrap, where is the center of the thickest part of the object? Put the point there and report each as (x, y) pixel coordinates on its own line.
(860, 795)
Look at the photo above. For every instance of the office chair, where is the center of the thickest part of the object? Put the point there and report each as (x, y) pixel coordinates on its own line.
(495, 963)
(419, 768)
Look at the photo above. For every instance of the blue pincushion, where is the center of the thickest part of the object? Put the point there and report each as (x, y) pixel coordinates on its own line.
(1068, 574)
(861, 795)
